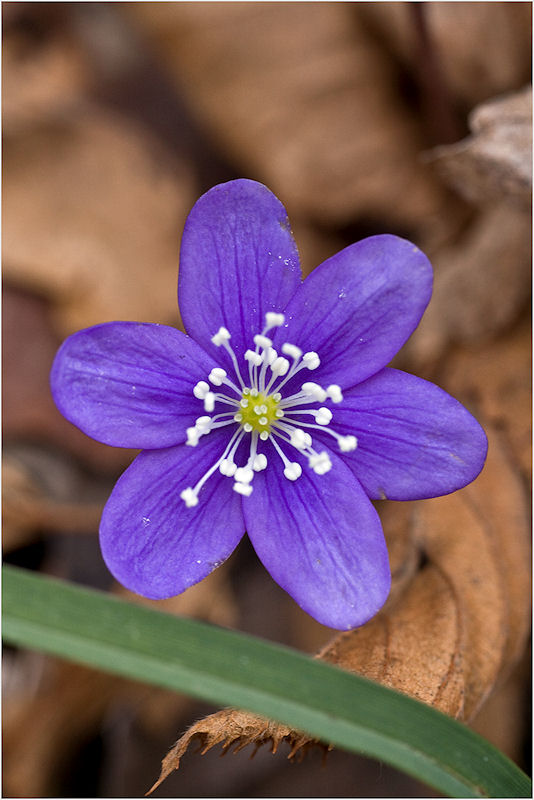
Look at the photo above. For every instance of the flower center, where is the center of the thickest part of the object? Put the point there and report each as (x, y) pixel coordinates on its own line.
(258, 411)
(263, 412)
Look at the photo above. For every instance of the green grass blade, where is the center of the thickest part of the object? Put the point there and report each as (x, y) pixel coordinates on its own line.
(229, 668)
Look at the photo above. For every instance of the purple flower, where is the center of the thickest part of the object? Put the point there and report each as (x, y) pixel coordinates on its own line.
(276, 415)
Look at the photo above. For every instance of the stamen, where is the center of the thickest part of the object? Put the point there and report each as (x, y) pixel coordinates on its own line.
(260, 462)
(299, 438)
(320, 463)
(217, 376)
(244, 475)
(279, 366)
(322, 415)
(243, 488)
(222, 336)
(334, 393)
(274, 320)
(253, 358)
(311, 360)
(292, 470)
(201, 389)
(262, 341)
(292, 350)
(189, 497)
(209, 402)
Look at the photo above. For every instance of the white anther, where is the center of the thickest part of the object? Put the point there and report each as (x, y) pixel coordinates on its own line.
(243, 488)
(269, 356)
(263, 421)
(189, 497)
(311, 360)
(243, 475)
(324, 467)
(292, 351)
(193, 435)
(293, 471)
(314, 390)
(217, 376)
(203, 425)
(248, 427)
(201, 389)
(227, 467)
(238, 417)
(260, 462)
(222, 335)
(334, 393)
(279, 413)
(347, 443)
(254, 358)
(320, 463)
(262, 341)
(243, 403)
(280, 366)
(254, 393)
(277, 397)
(264, 435)
(209, 402)
(300, 439)
(274, 320)
(323, 416)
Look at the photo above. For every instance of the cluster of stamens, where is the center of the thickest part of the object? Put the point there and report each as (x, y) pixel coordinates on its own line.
(263, 413)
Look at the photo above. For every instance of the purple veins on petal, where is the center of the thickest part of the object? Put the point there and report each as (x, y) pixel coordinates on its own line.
(238, 260)
(152, 543)
(321, 540)
(128, 384)
(414, 440)
(359, 307)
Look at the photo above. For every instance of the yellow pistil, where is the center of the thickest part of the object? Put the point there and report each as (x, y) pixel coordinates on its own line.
(258, 411)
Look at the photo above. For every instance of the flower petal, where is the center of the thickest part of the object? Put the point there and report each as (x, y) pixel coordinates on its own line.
(321, 540)
(130, 384)
(358, 308)
(414, 440)
(238, 260)
(151, 541)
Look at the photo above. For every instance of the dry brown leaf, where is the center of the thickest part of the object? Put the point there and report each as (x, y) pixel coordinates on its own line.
(300, 95)
(233, 729)
(496, 161)
(499, 62)
(92, 214)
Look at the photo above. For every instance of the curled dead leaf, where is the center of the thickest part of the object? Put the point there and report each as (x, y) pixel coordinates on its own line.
(235, 729)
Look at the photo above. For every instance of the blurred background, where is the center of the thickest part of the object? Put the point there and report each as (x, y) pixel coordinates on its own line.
(363, 118)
